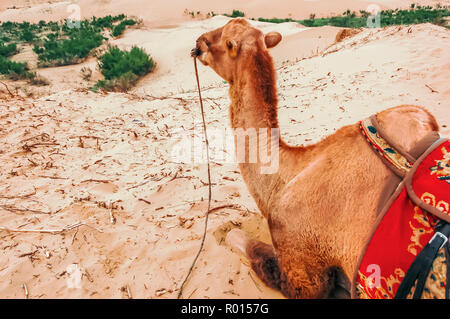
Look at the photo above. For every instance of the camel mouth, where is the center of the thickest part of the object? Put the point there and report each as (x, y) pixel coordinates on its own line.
(196, 52)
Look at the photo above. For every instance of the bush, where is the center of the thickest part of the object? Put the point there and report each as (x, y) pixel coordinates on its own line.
(64, 45)
(116, 62)
(8, 50)
(107, 22)
(27, 35)
(129, 22)
(120, 28)
(275, 20)
(68, 51)
(122, 69)
(414, 15)
(19, 71)
(56, 43)
(235, 14)
(12, 68)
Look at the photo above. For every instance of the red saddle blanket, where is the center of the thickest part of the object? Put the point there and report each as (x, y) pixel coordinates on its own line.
(420, 201)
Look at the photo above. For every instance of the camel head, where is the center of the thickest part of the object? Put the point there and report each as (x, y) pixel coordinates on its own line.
(227, 49)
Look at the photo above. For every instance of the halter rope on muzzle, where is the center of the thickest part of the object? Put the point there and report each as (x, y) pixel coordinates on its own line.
(180, 293)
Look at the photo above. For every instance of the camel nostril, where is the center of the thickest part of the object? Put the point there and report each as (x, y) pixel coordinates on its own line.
(196, 52)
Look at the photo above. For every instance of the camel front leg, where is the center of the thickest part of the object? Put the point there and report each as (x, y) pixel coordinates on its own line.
(293, 282)
(261, 256)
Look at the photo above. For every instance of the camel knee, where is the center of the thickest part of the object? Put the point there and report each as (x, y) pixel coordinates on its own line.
(261, 256)
(264, 263)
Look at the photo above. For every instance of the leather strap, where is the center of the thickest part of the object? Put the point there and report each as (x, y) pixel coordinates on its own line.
(421, 266)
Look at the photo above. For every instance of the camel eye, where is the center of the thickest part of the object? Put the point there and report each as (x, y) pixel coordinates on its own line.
(229, 45)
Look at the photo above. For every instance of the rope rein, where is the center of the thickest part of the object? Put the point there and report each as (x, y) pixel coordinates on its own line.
(180, 293)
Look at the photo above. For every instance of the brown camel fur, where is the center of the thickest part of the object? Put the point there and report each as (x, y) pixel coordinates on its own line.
(322, 202)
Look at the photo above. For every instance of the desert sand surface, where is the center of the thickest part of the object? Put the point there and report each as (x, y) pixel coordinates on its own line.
(93, 202)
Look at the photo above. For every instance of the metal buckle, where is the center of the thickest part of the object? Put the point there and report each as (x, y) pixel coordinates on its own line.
(445, 238)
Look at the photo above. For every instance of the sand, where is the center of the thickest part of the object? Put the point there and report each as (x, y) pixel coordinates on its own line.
(97, 205)
(158, 13)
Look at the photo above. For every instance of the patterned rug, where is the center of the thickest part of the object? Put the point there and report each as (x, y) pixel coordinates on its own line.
(407, 222)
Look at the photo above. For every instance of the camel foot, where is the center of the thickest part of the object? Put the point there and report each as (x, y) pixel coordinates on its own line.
(237, 240)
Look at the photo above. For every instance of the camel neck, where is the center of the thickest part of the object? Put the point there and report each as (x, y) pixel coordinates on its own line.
(254, 111)
(254, 95)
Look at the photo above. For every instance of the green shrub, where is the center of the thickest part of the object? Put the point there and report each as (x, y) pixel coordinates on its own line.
(106, 22)
(275, 20)
(235, 14)
(68, 51)
(27, 35)
(118, 29)
(414, 15)
(116, 62)
(56, 43)
(8, 50)
(122, 69)
(8, 25)
(19, 71)
(8, 67)
(129, 22)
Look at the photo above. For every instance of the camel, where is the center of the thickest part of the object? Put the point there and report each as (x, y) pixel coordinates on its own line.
(323, 200)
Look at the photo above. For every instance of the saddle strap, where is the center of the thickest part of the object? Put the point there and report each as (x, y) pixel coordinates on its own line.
(393, 155)
(421, 266)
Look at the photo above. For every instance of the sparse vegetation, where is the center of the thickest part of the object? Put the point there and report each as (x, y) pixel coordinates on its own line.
(8, 50)
(55, 43)
(414, 15)
(122, 69)
(13, 69)
(78, 46)
(86, 73)
(235, 14)
(38, 80)
(198, 14)
(120, 28)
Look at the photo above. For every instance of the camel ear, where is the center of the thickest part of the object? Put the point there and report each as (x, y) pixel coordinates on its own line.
(272, 39)
(232, 48)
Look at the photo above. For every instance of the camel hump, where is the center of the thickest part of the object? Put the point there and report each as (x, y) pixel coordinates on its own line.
(406, 125)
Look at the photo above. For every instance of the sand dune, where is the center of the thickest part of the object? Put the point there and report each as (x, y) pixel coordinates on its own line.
(158, 13)
(95, 203)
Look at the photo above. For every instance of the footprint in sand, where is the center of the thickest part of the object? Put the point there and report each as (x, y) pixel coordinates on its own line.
(104, 189)
(255, 226)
